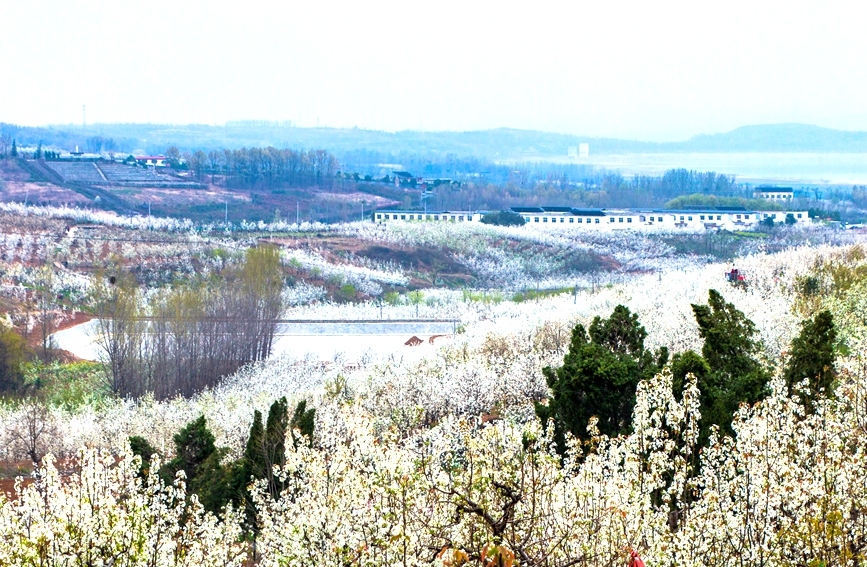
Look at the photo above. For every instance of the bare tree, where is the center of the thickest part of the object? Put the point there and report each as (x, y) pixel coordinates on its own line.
(188, 337)
(119, 332)
(45, 291)
(5, 144)
(31, 432)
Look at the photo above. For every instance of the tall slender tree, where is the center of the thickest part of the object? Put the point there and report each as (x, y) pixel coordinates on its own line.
(731, 352)
(811, 360)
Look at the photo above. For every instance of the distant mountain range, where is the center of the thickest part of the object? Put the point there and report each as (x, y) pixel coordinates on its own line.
(501, 143)
(779, 138)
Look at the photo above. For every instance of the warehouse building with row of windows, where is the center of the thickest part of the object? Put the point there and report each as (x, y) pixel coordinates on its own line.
(610, 219)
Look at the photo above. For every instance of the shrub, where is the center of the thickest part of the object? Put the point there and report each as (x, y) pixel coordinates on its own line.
(503, 218)
(13, 353)
(348, 291)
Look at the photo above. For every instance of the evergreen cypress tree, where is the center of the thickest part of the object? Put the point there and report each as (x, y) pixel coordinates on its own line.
(730, 351)
(250, 467)
(599, 376)
(14, 152)
(266, 449)
(303, 420)
(253, 451)
(200, 459)
(274, 446)
(811, 358)
(142, 448)
(194, 444)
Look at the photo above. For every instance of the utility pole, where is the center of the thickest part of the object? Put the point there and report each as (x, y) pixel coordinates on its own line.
(227, 214)
(362, 211)
(297, 213)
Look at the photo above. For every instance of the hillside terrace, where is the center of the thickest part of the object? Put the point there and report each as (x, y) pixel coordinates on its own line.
(114, 174)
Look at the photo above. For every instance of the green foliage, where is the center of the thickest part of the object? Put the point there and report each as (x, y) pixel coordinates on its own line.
(699, 200)
(808, 286)
(201, 461)
(143, 449)
(221, 254)
(213, 483)
(194, 445)
(348, 291)
(275, 434)
(13, 354)
(812, 358)
(822, 214)
(69, 385)
(790, 219)
(484, 297)
(415, 297)
(337, 389)
(503, 218)
(834, 278)
(684, 363)
(266, 449)
(303, 421)
(14, 151)
(391, 297)
(730, 351)
(599, 377)
(531, 294)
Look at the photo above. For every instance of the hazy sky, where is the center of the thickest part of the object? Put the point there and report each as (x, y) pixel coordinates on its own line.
(647, 70)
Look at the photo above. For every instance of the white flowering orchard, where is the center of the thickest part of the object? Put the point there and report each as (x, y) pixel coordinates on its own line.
(442, 461)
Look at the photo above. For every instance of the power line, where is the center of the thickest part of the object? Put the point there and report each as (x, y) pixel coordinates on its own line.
(109, 239)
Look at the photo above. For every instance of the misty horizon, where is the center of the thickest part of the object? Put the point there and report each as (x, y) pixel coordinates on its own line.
(265, 123)
(661, 73)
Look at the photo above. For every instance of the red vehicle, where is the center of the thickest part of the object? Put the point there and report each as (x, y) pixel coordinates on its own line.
(735, 276)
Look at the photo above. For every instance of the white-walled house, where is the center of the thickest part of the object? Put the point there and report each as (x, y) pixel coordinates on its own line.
(779, 194)
(155, 161)
(450, 216)
(554, 218)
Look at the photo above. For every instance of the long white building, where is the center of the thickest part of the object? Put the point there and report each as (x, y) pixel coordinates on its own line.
(609, 219)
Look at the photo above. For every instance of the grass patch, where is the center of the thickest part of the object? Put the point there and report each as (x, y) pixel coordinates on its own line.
(484, 297)
(71, 385)
(532, 294)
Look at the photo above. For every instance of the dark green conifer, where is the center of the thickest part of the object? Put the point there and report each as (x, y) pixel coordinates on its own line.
(730, 351)
(811, 358)
(599, 377)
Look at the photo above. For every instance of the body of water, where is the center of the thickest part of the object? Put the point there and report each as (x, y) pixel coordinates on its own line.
(793, 168)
